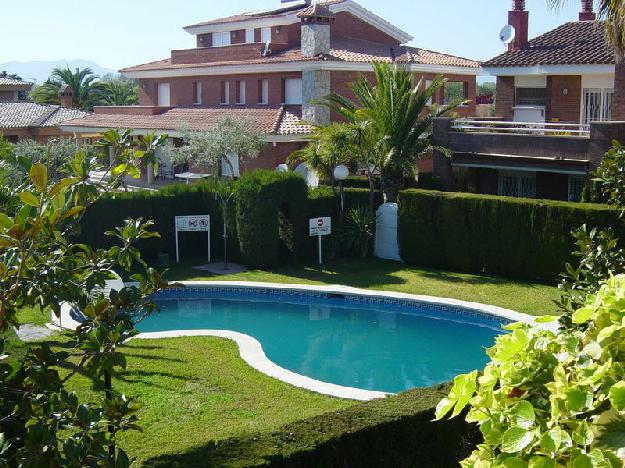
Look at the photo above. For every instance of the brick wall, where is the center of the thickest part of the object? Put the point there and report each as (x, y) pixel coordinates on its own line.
(504, 100)
(181, 89)
(564, 95)
(348, 26)
(7, 95)
(618, 105)
(271, 156)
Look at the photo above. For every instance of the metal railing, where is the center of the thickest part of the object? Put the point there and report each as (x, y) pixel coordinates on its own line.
(522, 128)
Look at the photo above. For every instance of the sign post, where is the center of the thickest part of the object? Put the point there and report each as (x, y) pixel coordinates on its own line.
(199, 223)
(320, 227)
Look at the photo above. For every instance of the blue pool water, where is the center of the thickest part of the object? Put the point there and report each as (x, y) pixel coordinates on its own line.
(385, 345)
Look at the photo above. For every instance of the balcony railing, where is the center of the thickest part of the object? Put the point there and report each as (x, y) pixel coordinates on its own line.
(522, 128)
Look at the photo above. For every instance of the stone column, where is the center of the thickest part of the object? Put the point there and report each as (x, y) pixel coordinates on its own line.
(315, 86)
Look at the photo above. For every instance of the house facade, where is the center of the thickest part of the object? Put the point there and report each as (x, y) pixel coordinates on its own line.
(22, 120)
(555, 110)
(269, 67)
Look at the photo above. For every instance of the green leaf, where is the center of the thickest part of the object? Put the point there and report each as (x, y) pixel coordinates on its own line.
(541, 462)
(583, 315)
(576, 399)
(546, 319)
(39, 176)
(617, 396)
(582, 461)
(459, 395)
(522, 415)
(5, 221)
(516, 439)
(29, 199)
(551, 440)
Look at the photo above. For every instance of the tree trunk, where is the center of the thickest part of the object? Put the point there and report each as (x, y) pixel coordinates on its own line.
(618, 106)
(108, 394)
(392, 182)
(371, 188)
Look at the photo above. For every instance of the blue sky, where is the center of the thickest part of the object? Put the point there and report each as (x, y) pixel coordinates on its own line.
(119, 33)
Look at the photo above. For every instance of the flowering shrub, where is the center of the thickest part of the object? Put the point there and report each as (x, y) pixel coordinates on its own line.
(551, 399)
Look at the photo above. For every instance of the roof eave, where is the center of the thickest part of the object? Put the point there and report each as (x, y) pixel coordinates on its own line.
(555, 69)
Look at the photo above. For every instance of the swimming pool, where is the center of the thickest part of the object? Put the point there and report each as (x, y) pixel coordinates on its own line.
(346, 337)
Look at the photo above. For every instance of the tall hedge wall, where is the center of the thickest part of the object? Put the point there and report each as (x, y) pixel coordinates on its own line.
(271, 209)
(512, 237)
(161, 207)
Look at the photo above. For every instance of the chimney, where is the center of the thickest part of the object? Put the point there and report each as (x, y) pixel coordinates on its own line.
(67, 97)
(519, 19)
(586, 13)
(316, 22)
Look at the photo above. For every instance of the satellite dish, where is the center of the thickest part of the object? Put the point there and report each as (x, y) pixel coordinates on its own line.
(507, 34)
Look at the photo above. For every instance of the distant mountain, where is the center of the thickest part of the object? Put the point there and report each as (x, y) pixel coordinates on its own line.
(40, 71)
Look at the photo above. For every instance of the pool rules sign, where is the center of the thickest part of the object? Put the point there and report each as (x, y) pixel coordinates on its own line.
(198, 223)
(320, 227)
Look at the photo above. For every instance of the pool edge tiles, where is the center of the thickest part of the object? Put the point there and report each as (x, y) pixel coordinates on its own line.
(433, 304)
(251, 351)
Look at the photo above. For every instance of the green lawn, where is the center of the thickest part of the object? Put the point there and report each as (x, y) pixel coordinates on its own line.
(199, 399)
(530, 298)
(196, 393)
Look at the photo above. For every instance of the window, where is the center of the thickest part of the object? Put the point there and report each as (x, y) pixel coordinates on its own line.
(597, 105)
(197, 92)
(455, 91)
(428, 83)
(221, 39)
(576, 187)
(225, 92)
(250, 36)
(263, 92)
(240, 92)
(292, 91)
(517, 184)
(265, 35)
(531, 96)
(163, 97)
(230, 160)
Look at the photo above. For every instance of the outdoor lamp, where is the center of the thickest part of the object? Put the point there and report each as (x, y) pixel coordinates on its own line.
(340, 173)
(282, 168)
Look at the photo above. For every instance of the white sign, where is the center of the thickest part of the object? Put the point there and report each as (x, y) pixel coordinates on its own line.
(320, 226)
(199, 223)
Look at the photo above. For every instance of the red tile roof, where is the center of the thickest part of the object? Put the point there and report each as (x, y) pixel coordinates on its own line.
(343, 50)
(254, 15)
(270, 120)
(575, 43)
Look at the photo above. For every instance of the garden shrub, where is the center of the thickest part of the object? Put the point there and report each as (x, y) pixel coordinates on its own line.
(513, 237)
(271, 217)
(397, 431)
(162, 207)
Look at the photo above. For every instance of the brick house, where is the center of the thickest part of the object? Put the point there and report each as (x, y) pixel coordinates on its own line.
(13, 90)
(269, 67)
(20, 120)
(554, 114)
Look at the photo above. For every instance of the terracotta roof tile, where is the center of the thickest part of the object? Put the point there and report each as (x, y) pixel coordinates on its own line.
(348, 50)
(270, 120)
(13, 82)
(28, 114)
(575, 43)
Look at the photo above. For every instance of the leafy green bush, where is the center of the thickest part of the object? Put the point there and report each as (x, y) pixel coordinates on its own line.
(271, 217)
(504, 236)
(396, 432)
(551, 399)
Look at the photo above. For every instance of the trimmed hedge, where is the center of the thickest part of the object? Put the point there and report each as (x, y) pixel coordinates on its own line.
(397, 431)
(521, 238)
(161, 207)
(271, 210)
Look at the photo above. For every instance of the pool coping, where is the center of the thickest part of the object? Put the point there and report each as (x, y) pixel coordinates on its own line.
(251, 350)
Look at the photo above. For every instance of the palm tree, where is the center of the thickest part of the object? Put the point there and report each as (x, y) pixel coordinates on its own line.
(116, 92)
(613, 13)
(393, 121)
(81, 82)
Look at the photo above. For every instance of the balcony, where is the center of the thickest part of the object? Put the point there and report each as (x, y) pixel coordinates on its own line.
(501, 127)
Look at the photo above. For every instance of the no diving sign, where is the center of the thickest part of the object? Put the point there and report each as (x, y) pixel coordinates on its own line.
(320, 226)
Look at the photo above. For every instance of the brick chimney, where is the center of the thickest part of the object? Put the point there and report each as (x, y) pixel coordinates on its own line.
(316, 24)
(518, 18)
(587, 13)
(66, 94)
